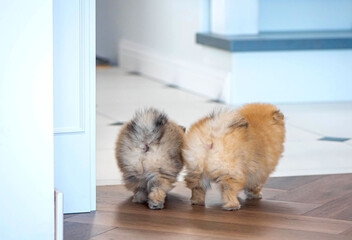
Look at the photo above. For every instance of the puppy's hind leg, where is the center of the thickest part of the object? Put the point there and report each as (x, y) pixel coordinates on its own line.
(140, 195)
(158, 187)
(198, 185)
(253, 192)
(137, 186)
(230, 187)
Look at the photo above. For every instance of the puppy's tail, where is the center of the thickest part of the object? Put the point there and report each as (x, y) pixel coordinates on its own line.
(278, 117)
(223, 121)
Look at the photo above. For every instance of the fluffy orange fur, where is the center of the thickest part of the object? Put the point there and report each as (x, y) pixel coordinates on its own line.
(236, 149)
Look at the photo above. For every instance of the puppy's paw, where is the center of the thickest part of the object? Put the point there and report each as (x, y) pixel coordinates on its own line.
(139, 197)
(155, 206)
(197, 202)
(231, 206)
(251, 195)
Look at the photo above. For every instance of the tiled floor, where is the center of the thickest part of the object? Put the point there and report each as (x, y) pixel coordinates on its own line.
(119, 94)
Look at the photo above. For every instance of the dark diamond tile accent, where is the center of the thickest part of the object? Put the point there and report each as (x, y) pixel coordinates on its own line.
(134, 73)
(333, 139)
(216, 101)
(172, 86)
(117, 124)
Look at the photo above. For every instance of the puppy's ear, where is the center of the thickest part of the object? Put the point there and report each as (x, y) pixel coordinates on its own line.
(182, 127)
(278, 116)
(161, 120)
(238, 123)
(131, 126)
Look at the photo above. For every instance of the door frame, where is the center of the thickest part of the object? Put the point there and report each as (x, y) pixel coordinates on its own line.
(90, 68)
(87, 97)
(88, 75)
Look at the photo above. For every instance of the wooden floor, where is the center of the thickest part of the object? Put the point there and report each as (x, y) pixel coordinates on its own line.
(311, 207)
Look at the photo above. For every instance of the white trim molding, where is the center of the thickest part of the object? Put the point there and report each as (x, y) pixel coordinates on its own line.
(106, 182)
(90, 71)
(59, 215)
(83, 64)
(69, 130)
(75, 139)
(87, 73)
(199, 79)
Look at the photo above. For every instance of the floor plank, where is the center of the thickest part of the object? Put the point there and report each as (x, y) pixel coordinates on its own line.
(340, 208)
(320, 191)
(348, 233)
(69, 215)
(287, 183)
(308, 208)
(179, 198)
(239, 217)
(123, 233)
(83, 231)
(197, 227)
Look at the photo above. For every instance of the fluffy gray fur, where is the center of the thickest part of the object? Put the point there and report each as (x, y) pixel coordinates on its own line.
(149, 154)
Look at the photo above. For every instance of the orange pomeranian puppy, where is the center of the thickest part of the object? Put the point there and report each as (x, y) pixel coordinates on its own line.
(236, 149)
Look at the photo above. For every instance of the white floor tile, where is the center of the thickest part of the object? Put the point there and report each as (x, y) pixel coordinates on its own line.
(294, 134)
(184, 114)
(328, 119)
(314, 157)
(107, 171)
(103, 120)
(145, 96)
(106, 136)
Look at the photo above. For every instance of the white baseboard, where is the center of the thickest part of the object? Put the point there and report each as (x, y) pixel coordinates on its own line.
(196, 78)
(104, 182)
(59, 215)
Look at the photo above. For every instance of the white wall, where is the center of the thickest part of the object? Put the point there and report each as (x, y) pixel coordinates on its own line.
(165, 27)
(157, 39)
(292, 76)
(303, 15)
(169, 27)
(26, 131)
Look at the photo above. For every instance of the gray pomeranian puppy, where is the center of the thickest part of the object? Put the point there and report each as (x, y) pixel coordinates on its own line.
(149, 154)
